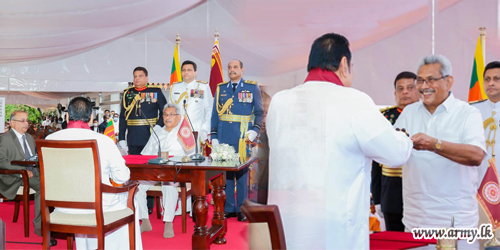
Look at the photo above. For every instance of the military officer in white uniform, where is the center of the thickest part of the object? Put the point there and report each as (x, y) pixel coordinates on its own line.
(198, 98)
(490, 111)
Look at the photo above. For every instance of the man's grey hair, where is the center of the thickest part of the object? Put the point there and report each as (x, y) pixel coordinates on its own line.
(171, 105)
(13, 114)
(441, 60)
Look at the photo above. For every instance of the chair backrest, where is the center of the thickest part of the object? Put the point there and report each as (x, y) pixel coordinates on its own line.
(70, 173)
(266, 228)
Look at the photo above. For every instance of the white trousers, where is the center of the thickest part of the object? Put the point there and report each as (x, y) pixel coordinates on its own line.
(169, 201)
(117, 239)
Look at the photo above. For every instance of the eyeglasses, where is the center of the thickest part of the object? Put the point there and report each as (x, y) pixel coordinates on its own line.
(169, 115)
(430, 80)
(22, 121)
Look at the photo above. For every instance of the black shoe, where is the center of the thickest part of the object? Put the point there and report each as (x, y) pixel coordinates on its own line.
(53, 242)
(230, 215)
(242, 217)
(150, 210)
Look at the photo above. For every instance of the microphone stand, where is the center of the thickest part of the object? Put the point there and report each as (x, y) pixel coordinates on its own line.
(159, 159)
(196, 156)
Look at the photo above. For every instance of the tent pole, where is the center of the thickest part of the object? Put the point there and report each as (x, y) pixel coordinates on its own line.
(433, 23)
(146, 49)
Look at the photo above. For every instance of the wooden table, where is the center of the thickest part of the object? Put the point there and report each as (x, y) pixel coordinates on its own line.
(199, 175)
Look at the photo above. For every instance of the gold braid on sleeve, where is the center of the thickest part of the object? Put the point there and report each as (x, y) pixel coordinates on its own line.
(222, 109)
(128, 109)
(490, 122)
(183, 95)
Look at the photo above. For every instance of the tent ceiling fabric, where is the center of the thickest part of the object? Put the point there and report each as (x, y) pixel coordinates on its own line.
(39, 31)
(271, 37)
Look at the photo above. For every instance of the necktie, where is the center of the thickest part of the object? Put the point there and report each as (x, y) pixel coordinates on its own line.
(234, 86)
(26, 150)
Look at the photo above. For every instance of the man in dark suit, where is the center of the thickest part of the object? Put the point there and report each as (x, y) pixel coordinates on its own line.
(103, 124)
(16, 144)
(95, 126)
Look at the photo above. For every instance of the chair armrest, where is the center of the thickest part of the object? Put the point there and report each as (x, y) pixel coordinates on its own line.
(125, 188)
(8, 171)
(24, 175)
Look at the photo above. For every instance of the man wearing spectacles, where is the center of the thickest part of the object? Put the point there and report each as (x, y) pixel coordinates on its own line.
(490, 111)
(16, 144)
(440, 178)
(167, 135)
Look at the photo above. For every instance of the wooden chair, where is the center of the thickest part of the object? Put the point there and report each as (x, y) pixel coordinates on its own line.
(23, 195)
(265, 226)
(184, 192)
(70, 175)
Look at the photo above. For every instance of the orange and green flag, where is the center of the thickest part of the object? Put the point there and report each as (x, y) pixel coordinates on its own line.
(110, 130)
(476, 89)
(175, 75)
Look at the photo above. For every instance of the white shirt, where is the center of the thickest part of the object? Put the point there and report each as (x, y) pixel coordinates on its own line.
(323, 138)
(46, 122)
(112, 166)
(169, 142)
(117, 126)
(199, 106)
(21, 141)
(434, 187)
(486, 108)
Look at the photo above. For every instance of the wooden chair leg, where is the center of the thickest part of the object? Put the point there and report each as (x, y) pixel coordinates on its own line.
(158, 207)
(100, 241)
(69, 241)
(46, 239)
(16, 211)
(26, 210)
(131, 235)
(183, 204)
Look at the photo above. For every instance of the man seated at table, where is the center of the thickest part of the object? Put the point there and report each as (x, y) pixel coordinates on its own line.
(16, 144)
(169, 142)
(112, 167)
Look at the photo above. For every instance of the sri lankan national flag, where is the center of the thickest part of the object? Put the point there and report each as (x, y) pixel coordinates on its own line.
(216, 74)
(175, 75)
(476, 89)
(110, 130)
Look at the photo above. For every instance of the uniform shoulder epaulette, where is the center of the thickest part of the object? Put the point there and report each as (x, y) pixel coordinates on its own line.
(388, 108)
(154, 86)
(128, 88)
(250, 82)
(177, 82)
(476, 102)
(201, 81)
(222, 83)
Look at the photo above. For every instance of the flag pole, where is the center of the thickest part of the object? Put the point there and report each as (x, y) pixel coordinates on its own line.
(178, 43)
(482, 38)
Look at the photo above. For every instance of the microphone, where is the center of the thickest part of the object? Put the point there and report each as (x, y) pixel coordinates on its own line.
(159, 159)
(196, 156)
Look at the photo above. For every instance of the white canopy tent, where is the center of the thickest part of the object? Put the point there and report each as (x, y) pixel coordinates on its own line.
(70, 48)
